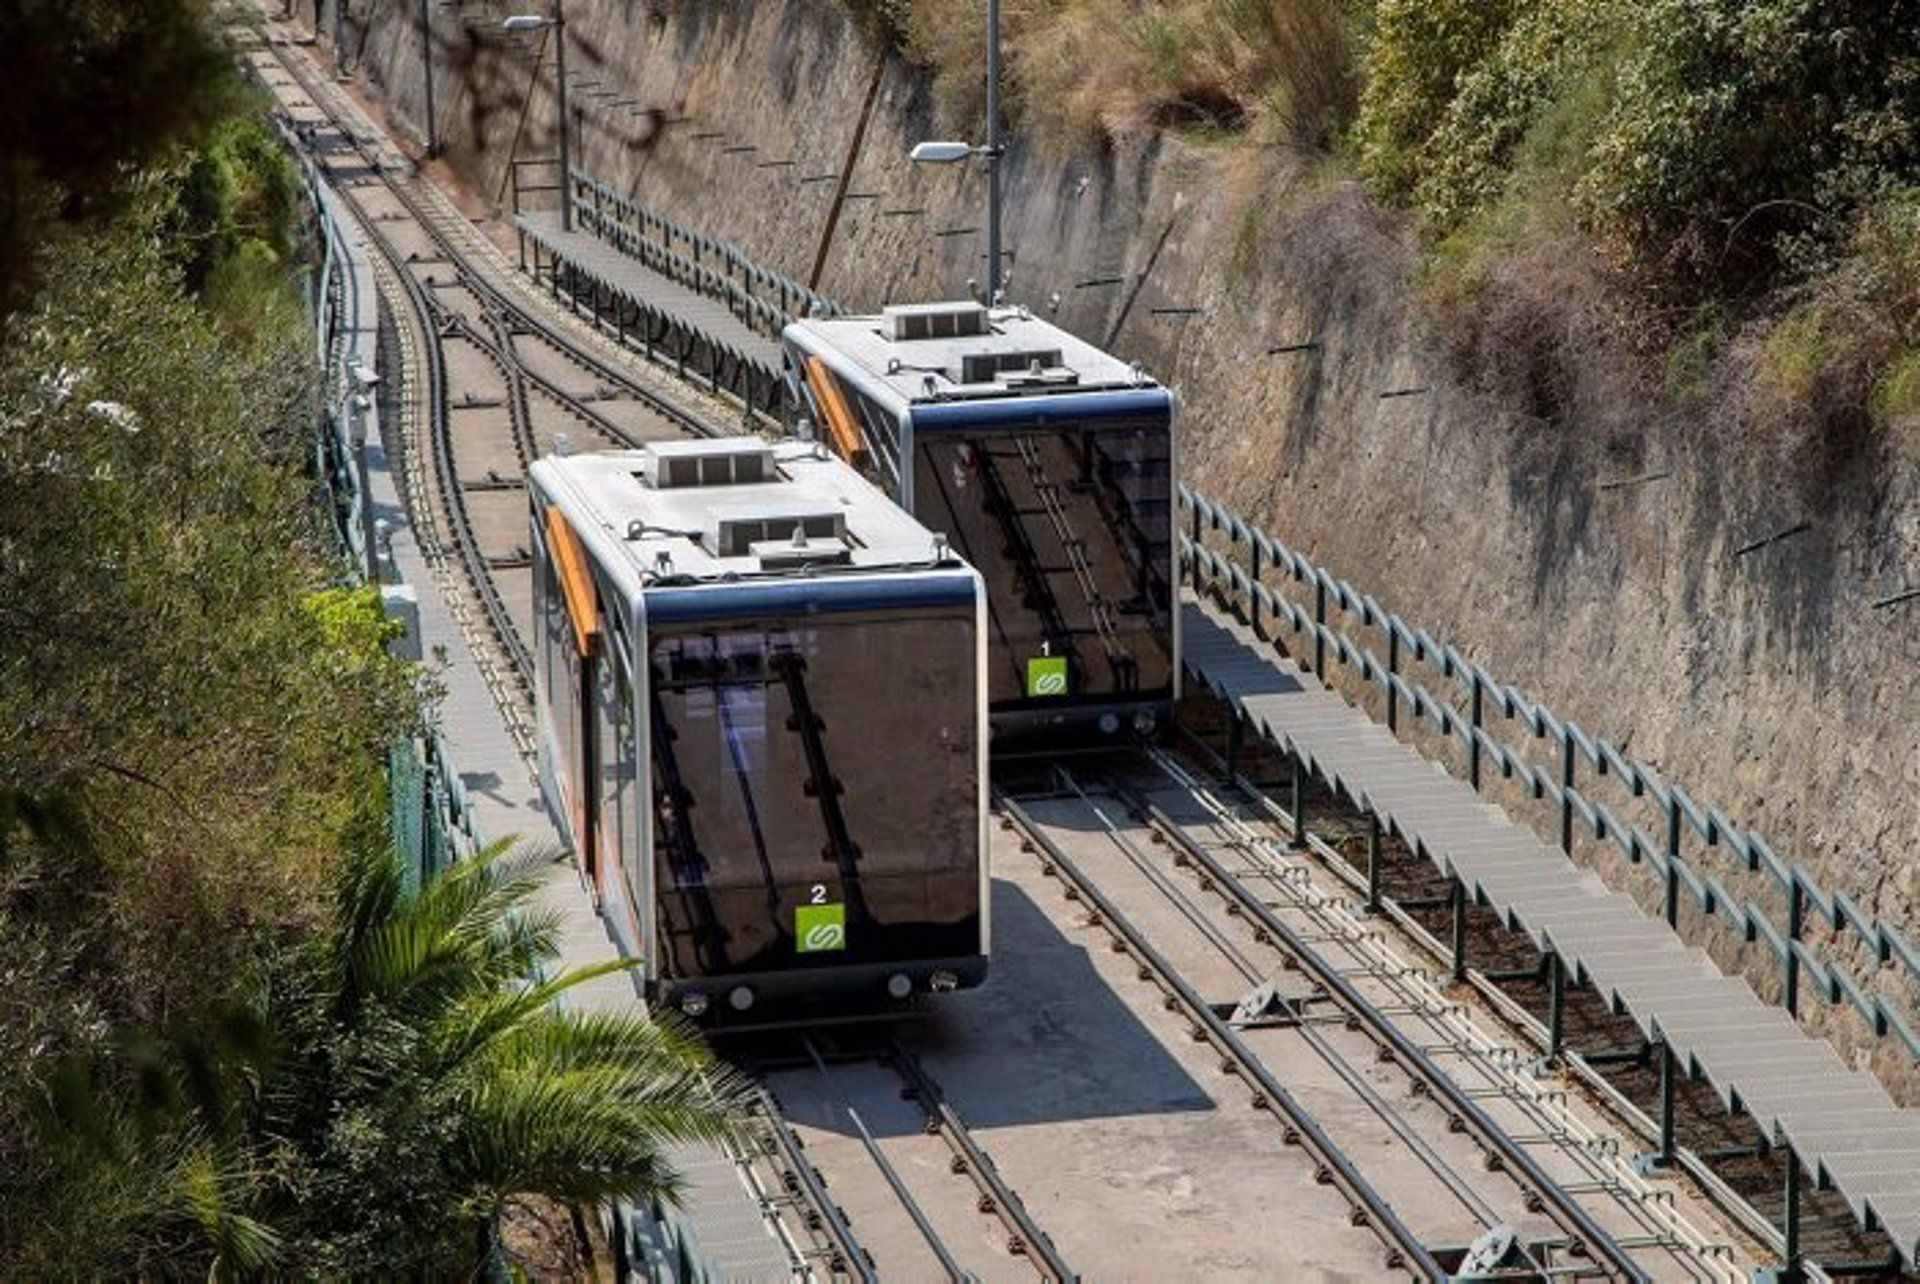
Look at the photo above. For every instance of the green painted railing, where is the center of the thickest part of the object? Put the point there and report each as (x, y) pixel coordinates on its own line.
(1260, 577)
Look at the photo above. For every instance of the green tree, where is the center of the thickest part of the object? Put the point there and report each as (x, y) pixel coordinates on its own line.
(92, 91)
(432, 1072)
(376, 1099)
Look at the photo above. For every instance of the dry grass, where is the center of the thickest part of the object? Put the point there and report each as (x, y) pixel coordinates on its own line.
(1283, 72)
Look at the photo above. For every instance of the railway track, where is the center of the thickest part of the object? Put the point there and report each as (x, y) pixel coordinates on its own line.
(1303, 972)
(1604, 1055)
(501, 375)
(502, 383)
(864, 1093)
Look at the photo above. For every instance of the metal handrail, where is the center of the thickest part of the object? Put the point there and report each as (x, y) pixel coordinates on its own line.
(1406, 643)
(449, 826)
(763, 299)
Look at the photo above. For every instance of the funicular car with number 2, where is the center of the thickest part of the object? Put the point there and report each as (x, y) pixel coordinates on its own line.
(761, 725)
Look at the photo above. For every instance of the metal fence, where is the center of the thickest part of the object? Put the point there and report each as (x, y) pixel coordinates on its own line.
(763, 300)
(1259, 577)
(433, 825)
(433, 821)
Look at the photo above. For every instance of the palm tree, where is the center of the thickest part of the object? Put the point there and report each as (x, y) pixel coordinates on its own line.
(368, 1104)
(437, 1071)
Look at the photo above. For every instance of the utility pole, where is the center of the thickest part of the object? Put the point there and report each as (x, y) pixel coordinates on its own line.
(426, 54)
(995, 276)
(566, 124)
(948, 153)
(557, 21)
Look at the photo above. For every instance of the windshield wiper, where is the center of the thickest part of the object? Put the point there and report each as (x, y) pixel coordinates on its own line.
(689, 866)
(821, 783)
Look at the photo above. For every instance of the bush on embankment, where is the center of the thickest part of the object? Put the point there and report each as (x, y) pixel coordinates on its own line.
(1662, 176)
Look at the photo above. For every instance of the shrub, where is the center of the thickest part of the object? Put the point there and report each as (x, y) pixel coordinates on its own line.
(1084, 71)
(1897, 395)
(1797, 351)
(1419, 52)
(1701, 137)
(1739, 125)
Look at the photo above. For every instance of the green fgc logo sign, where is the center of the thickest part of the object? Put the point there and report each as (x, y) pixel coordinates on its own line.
(820, 927)
(1047, 675)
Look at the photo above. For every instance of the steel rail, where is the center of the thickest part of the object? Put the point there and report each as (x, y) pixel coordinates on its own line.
(894, 1181)
(503, 316)
(1446, 1174)
(1728, 1200)
(1370, 1208)
(1566, 1211)
(446, 481)
(495, 300)
(848, 1256)
(1025, 1237)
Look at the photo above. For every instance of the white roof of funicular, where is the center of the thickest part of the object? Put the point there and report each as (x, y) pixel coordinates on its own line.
(920, 370)
(608, 491)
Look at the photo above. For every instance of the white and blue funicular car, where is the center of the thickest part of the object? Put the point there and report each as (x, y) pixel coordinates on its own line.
(761, 725)
(1050, 464)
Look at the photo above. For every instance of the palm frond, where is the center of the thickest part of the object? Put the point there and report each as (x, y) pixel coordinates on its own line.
(485, 1018)
(209, 1185)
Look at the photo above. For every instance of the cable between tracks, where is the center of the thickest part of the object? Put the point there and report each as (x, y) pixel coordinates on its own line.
(1372, 1209)
(1567, 1211)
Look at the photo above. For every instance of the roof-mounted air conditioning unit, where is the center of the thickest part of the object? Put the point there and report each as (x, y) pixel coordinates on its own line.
(794, 555)
(909, 321)
(986, 367)
(736, 531)
(725, 461)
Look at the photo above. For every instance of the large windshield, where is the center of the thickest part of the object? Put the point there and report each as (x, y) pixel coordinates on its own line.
(816, 790)
(1069, 526)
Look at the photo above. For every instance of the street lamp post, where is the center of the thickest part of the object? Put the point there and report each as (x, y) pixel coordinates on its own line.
(558, 21)
(426, 54)
(996, 273)
(947, 153)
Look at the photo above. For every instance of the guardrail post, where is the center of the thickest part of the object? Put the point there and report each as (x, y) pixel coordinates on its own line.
(1193, 561)
(1566, 790)
(1299, 800)
(1796, 914)
(1790, 1228)
(1556, 1006)
(1673, 861)
(1473, 745)
(1319, 626)
(1459, 890)
(1253, 585)
(1373, 862)
(1667, 1069)
(1393, 671)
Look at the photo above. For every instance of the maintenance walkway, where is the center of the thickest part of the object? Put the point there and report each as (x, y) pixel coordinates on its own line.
(698, 335)
(1840, 1124)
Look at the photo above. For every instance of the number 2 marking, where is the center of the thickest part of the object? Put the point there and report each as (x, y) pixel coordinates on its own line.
(819, 894)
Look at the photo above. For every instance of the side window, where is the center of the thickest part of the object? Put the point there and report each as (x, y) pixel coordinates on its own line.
(606, 757)
(617, 760)
(626, 785)
(543, 594)
(557, 676)
(882, 432)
